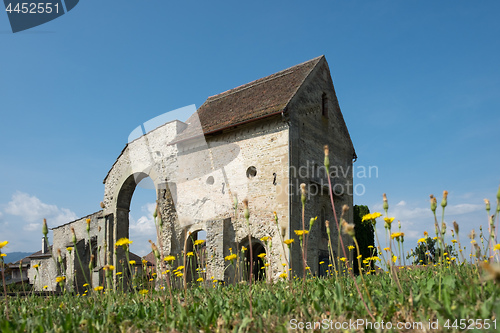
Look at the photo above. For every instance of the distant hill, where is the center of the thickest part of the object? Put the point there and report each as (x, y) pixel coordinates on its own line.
(15, 256)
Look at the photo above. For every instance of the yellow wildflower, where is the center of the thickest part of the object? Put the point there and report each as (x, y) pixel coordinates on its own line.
(2, 244)
(180, 267)
(86, 285)
(230, 257)
(199, 242)
(132, 262)
(453, 241)
(370, 246)
(262, 255)
(243, 249)
(388, 220)
(69, 249)
(386, 249)
(394, 258)
(143, 291)
(60, 279)
(190, 254)
(289, 241)
(350, 247)
(283, 275)
(119, 273)
(169, 258)
(421, 240)
(98, 288)
(343, 259)
(497, 247)
(265, 238)
(301, 232)
(123, 242)
(395, 235)
(372, 216)
(200, 279)
(144, 261)
(321, 262)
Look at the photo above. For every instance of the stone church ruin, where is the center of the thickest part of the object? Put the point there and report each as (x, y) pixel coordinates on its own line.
(248, 142)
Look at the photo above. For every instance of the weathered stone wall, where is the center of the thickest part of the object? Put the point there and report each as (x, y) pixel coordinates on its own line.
(262, 145)
(310, 130)
(62, 236)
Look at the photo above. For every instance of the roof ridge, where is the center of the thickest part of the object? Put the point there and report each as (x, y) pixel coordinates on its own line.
(261, 80)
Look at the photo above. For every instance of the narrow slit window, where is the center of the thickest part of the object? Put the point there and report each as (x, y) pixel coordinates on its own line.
(324, 105)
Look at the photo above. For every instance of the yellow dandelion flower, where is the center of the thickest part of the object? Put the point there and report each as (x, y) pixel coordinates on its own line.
(497, 247)
(45, 287)
(34, 266)
(86, 285)
(69, 249)
(343, 259)
(370, 246)
(284, 265)
(230, 257)
(60, 279)
(123, 242)
(453, 241)
(289, 241)
(350, 247)
(394, 258)
(190, 254)
(243, 249)
(119, 273)
(98, 288)
(144, 261)
(180, 267)
(265, 238)
(421, 240)
(386, 249)
(300, 232)
(395, 235)
(200, 279)
(2, 244)
(199, 242)
(388, 220)
(143, 291)
(359, 257)
(132, 262)
(169, 258)
(262, 255)
(283, 275)
(321, 262)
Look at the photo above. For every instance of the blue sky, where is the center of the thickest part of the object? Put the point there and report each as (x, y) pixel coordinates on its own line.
(417, 83)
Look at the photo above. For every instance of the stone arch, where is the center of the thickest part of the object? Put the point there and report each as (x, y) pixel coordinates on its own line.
(258, 247)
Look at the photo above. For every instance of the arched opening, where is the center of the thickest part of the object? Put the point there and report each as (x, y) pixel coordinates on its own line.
(196, 259)
(136, 202)
(259, 259)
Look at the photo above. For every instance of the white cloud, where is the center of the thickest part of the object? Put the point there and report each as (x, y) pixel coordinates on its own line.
(31, 209)
(463, 209)
(33, 227)
(142, 230)
(401, 203)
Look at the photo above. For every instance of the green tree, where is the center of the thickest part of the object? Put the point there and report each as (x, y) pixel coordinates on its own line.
(365, 236)
(428, 253)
